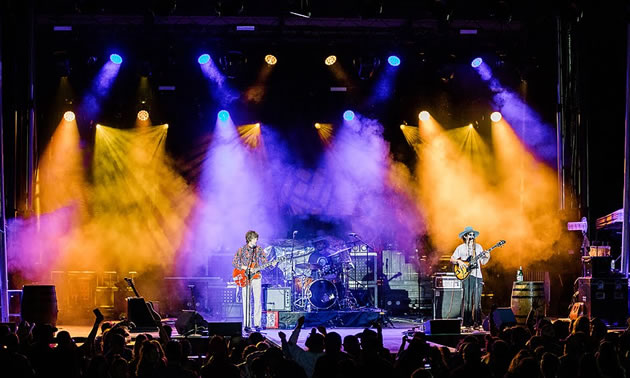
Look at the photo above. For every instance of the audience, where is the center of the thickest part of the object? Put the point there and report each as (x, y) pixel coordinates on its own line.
(558, 349)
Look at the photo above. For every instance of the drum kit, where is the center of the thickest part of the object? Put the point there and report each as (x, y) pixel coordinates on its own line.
(322, 280)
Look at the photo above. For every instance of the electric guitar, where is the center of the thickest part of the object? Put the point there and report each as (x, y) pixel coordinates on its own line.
(242, 276)
(471, 262)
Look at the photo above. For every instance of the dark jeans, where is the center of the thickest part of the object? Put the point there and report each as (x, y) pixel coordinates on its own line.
(472, 301)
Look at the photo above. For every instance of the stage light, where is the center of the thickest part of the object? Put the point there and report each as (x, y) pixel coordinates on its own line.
(330, 60)
(203, 59)
(424, 115)
(69, 116)
(258, 125)
(348, 115)
(470, 125)
(271, 59)
(393, 61)
(402, 127)
(116, 59)
(166, 125)
(223, 115)
(143, 115)
(318, 125)
(495, 116)
(476, 62)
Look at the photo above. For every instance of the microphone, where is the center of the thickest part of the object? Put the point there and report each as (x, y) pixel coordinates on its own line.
(295, 233)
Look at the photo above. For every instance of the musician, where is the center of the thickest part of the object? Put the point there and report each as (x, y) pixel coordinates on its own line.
(252, 256)
(473, 284)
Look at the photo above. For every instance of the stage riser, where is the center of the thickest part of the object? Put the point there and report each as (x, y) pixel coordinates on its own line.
(288, 320)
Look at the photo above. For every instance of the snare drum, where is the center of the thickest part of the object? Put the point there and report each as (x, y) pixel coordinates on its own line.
(322, 294)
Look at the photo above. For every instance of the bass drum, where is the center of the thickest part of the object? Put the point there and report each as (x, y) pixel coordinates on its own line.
(322, 294)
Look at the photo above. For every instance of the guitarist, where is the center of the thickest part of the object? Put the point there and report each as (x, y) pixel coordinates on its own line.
(251, 256)
(473, 284)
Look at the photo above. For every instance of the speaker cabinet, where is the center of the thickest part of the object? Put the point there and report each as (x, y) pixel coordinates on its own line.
(502, 317)
(447, 303)
(604, 298)
(278, 299)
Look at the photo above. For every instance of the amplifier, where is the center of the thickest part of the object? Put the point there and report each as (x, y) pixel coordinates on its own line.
(446, 282)
(278, 299)
(605, 298)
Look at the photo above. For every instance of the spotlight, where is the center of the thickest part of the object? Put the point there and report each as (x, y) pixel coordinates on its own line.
(116, 59)
(330, 60)
(223, 115)
(476, 62)
(348, 115)
(318, 125)
(393, 61)
(424, 115)
(203, 59)
(166, 125)
(258, 125)
(69, 116)
(143, 115)
(495, 116)
(402, 127)
(470, 125)
(271, 59)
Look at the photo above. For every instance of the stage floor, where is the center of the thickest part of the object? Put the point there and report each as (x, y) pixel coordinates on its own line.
(392, 337)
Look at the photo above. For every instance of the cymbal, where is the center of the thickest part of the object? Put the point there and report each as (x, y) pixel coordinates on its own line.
(308, 266)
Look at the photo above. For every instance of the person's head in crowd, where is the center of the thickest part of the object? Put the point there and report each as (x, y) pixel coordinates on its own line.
(521, 355)
(118, 368)
(547, 332)
(274, 358)
(169, 330)
(44, 333)
(140, 339)
(173, 352)
(217, 348)
(369, 341)
(519, 336)
(421, 373)
(186, 348)
(549, 365)
(582, 324)
(534, 342)
(471, 353)
(315, 342)
(4, 331)
(262, 346)
(151, 357)
(598, 329)
(255, 338)
(116, 343)
(105, 326)
(332, 342)
(247, 351)
(64, 341)
(351, 345)
(561, 329)
(575, 344)
(526, 367)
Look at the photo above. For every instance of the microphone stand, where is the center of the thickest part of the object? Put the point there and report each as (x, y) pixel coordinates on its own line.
(292, 271)
(248, 290)
(367, 261)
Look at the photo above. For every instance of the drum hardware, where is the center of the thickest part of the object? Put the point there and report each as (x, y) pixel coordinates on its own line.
(308, 266)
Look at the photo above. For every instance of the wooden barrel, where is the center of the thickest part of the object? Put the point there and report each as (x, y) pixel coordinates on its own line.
(39, 304)
(524, 295)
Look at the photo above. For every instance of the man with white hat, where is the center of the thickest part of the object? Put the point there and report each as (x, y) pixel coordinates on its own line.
(473, 284)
